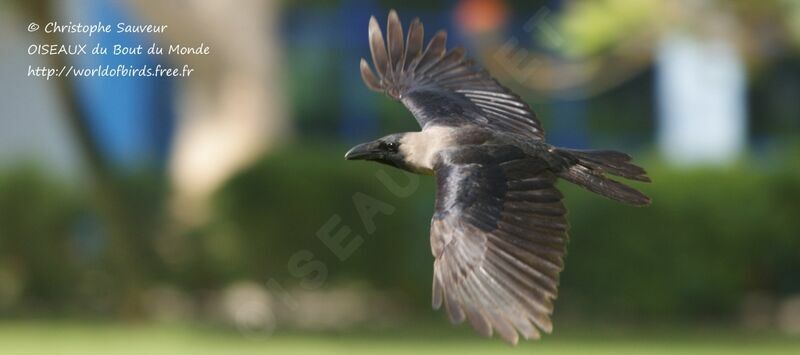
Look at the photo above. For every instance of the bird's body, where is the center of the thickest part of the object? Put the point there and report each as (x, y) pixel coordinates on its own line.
(499, 230)
(421, 149)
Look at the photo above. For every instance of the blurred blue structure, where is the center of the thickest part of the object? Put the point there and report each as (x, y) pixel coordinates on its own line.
(359, 121)
(132, 119)
(569, 126)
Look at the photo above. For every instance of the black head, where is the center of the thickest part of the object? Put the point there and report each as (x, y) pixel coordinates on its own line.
(385, 150)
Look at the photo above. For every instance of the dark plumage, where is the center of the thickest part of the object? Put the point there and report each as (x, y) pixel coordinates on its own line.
(499, 231)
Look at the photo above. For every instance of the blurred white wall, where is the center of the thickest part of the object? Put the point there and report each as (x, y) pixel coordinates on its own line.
(32, 129)
(702, 100)
(701, 87)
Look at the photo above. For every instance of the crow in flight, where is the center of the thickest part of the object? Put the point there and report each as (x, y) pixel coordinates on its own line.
(499, 230)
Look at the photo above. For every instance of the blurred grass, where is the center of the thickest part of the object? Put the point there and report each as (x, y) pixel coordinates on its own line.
(70, 337)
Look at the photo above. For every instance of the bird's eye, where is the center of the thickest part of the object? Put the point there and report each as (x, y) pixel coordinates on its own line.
(389, 146)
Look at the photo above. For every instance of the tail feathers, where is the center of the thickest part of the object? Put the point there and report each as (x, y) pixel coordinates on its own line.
(611, 162)
(590, 167)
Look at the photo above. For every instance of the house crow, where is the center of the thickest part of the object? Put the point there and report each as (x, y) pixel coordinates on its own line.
(499, 230)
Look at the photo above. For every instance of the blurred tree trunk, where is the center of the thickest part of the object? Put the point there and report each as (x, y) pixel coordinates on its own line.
(106, 194)
(232, 108)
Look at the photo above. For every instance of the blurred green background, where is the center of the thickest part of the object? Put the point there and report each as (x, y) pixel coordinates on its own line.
(190, 215)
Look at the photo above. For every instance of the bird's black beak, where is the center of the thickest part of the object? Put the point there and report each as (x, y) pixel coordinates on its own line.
(364, 151)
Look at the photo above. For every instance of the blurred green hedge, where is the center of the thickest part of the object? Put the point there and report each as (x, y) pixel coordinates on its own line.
(711, 236)
(37, 261)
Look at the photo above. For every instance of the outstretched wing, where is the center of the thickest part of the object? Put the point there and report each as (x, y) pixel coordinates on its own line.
(499, 236)
(440, 85)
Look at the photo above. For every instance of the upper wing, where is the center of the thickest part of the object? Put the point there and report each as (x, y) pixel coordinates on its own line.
(435, 84)
(499, 236)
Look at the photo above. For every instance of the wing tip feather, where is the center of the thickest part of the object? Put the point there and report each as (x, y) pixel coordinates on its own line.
(368, 76)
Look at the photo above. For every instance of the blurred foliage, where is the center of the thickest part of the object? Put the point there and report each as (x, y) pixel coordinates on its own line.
(591, 28)
(277, 208)
(38, 218)
(711, 237)
(793, 15)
